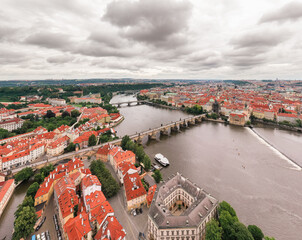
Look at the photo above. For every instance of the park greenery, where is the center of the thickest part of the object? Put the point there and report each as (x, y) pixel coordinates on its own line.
(212, 116)
(50, 89)
(49, 121)
(106, 137)
(5, 133)
(110, 186)
(138, 150)
(195, 110)
(228, 227)
(160, 102)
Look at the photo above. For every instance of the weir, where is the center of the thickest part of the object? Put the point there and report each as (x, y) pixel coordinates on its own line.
(284, 156)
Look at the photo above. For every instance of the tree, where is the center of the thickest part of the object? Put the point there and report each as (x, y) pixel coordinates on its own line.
(47, 169)
(256, 232)
(147, 163)
(213, 231)
(268, 238)
(50, 114)
(75, 113)
(24, 223)
(70, 147)
(24, 174)
(28, 201)
(125, 140)
(32, 190)
(241, 232)
(109, 185)
(92, 140)
(75, 210)
(65, 114)
(140, 153)
(39, 178)
(224, 206)
(226, 221)
(157, 176)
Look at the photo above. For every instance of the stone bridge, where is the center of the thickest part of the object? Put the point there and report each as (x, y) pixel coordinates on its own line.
(167, 128)
(129, 103)
(154, 133)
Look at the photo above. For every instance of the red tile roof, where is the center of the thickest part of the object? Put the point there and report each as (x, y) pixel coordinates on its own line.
(77, 228)
(133, 186)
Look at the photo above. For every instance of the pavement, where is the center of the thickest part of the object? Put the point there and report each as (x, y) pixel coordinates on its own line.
(132, 224)
(49, 223)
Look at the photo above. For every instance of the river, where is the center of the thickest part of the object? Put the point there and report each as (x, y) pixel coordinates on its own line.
(232, 163)
(7, 217)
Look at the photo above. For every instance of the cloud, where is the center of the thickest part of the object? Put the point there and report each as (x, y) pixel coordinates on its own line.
(261, 38)
(150, 21)
(6, 32)
(59, 59)
(289, 12)
(8, 56)
(49, 40)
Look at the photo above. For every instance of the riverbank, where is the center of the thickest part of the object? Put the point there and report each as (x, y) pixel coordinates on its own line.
(276, 125)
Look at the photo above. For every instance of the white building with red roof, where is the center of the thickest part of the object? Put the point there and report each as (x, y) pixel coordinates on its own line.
(57, 147)
(11, 124)
(6, 191)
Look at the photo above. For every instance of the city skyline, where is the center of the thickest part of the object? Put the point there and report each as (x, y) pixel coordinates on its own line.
(147, 39)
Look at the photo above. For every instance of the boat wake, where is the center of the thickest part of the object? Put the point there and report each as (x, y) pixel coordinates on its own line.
(280, 154)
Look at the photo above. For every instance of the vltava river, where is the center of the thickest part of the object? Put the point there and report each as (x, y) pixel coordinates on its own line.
(233, 164)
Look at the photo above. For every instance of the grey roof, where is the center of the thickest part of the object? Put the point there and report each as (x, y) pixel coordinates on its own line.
(149, 180)
(191, 217)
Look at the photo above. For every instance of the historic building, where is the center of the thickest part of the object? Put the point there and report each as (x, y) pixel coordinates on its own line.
(180, 210)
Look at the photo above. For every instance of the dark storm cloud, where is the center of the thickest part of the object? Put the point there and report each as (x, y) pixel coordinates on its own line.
(49, 40)
(289, 12)
(150, 21)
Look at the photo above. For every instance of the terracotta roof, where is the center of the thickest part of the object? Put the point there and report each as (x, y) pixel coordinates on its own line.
(4, 187)
(133, 186)
(76, 228)
(111, 229)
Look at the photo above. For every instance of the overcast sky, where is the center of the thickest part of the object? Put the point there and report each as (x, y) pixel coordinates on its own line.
(183, 39)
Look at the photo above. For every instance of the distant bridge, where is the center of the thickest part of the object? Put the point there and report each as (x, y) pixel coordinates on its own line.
(129, 103)
(155, 133)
